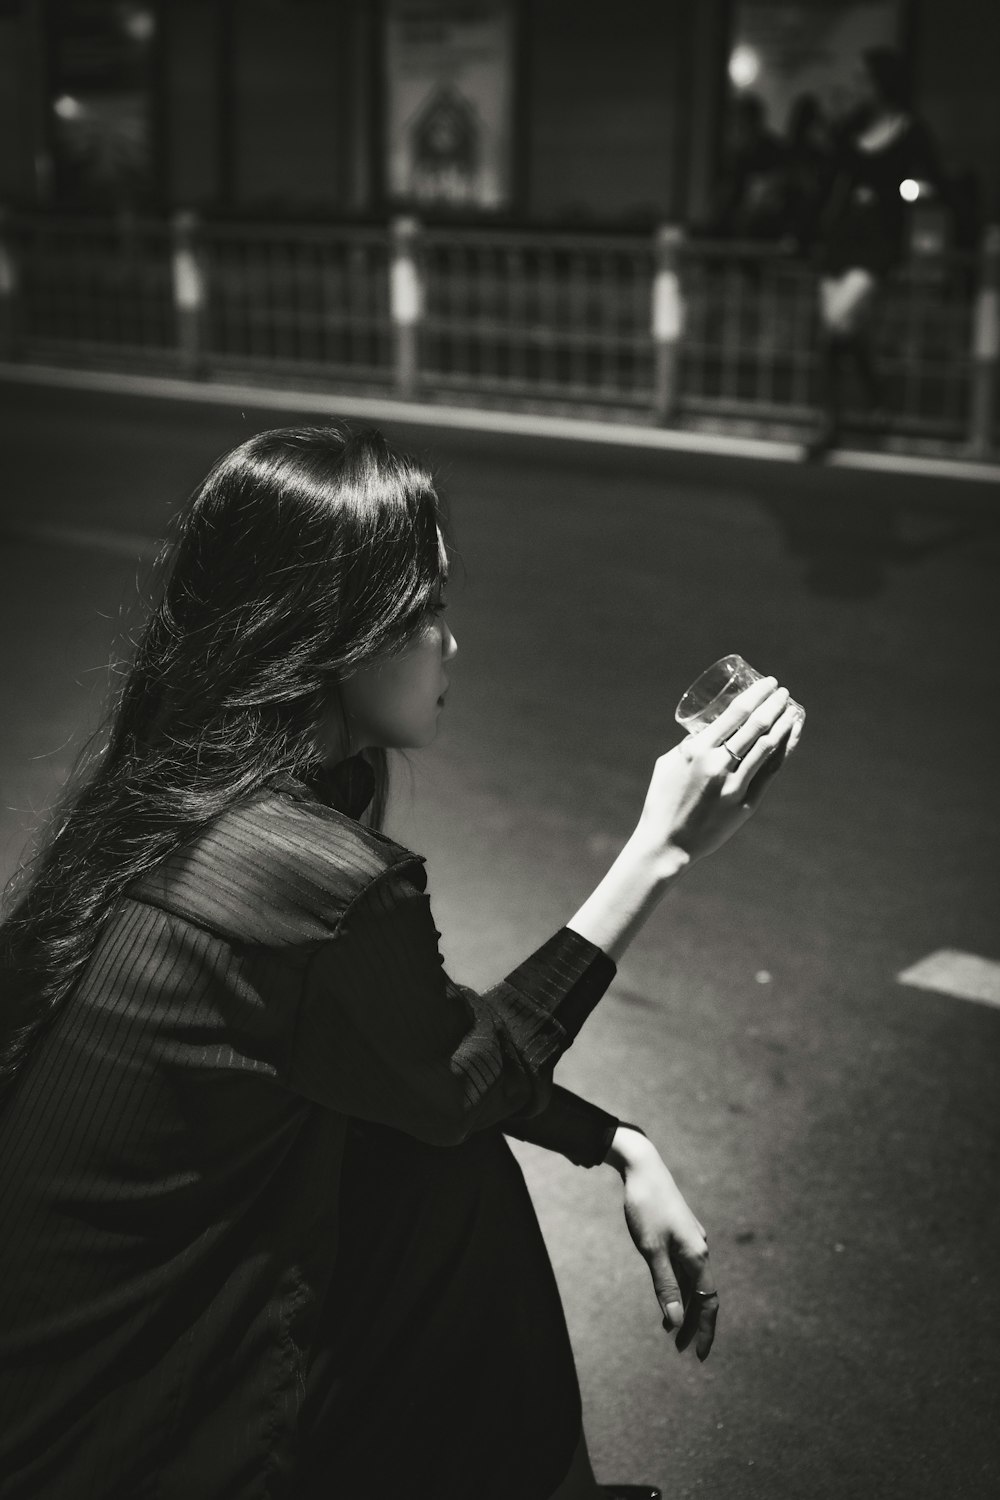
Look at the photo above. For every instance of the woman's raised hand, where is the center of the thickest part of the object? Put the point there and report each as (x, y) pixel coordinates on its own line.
(700, 793)
(707, 786)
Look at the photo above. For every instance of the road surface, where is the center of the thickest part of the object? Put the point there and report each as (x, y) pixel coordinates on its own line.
(833, 1127)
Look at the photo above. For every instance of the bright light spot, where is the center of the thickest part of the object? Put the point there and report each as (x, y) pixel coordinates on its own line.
(909, 189)
(68, 108)
(744, 66)
(139, 24)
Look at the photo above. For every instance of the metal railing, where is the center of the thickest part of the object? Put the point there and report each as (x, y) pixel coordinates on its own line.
(548, 315)
(751, 335)
(90, 286)
(298, 298)
(666, 328)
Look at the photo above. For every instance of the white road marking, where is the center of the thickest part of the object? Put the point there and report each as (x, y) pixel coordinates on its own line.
(965, 976)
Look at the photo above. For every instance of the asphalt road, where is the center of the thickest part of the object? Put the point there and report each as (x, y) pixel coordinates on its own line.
(836, 1130)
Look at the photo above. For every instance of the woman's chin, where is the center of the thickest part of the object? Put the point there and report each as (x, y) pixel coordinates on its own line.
(417, 739)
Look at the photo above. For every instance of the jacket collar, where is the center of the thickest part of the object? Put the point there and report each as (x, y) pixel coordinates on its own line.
(347, 787)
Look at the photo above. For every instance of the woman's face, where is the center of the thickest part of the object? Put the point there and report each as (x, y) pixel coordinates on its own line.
(396, 701)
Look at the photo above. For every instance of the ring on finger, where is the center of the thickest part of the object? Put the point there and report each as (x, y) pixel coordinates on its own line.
(737, 759)
(706, 1296)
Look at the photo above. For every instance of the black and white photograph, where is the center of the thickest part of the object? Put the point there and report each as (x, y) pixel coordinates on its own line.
(499, 799)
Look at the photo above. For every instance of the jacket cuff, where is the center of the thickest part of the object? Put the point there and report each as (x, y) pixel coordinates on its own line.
(566, 976)
(574, 1127)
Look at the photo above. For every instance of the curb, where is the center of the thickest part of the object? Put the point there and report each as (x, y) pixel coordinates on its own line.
(476, 419)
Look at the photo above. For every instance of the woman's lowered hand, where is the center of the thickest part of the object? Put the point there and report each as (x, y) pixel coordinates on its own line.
(670, 1240)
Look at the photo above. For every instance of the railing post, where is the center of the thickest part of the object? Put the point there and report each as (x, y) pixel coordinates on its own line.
(189, 293)
(406, 304)
(985, 345)
(667, 320)
(10, 288)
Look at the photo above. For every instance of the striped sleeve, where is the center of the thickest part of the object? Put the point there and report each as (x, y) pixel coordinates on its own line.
(383, 1034)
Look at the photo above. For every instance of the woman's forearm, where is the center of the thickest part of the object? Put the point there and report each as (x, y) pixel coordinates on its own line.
(629, 1146)
(629, 892)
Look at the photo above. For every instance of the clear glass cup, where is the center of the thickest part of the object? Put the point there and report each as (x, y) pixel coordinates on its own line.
(711, 693)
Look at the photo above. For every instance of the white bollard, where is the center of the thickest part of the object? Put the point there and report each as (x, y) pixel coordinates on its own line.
(189, 292)
(406, 304)
(9, 292)
(985, 346)
(667, 320)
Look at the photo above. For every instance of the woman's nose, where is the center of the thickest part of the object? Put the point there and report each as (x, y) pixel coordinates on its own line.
(449, 645)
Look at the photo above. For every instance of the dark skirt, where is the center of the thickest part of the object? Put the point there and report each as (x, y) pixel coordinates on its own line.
(444, 1366)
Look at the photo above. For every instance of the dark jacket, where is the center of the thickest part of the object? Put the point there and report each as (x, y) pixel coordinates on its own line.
(169, 1159)
(865, 218)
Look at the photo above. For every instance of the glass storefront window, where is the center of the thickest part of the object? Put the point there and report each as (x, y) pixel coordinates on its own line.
(782, 52)
(100, 99)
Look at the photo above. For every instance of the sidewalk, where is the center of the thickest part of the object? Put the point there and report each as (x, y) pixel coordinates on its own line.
(599, 430)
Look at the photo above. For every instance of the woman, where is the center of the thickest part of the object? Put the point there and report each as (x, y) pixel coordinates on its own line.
(863, 224)
(218, 962)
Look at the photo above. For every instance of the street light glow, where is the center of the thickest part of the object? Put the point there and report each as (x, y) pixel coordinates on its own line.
(744, 66)
(139, 23)
(68, 108)
(909, 189)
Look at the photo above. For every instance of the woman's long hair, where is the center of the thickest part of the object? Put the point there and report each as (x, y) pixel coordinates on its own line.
(306, 553)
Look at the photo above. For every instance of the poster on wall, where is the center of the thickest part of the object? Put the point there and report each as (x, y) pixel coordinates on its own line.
(448, 103)
(782, 52)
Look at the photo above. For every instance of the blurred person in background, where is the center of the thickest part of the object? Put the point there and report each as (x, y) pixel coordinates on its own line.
(808, 168)
(263, 1236)
(749, 198)
(881, 147)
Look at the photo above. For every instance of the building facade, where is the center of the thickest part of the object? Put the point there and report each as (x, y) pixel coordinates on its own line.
(531, 112)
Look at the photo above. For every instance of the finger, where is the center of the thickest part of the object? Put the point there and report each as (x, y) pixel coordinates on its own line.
(705, 1337)
(668, 1293)
(701, 1308)
(764, 761)
(763, 719)
(761, 751)
(738, 711)
(699, 1326)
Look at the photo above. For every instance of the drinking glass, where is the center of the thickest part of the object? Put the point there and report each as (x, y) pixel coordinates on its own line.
(711, 693)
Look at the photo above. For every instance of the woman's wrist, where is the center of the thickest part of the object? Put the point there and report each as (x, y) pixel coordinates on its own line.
(664, 862)
(629, 892)
(629, 1146)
